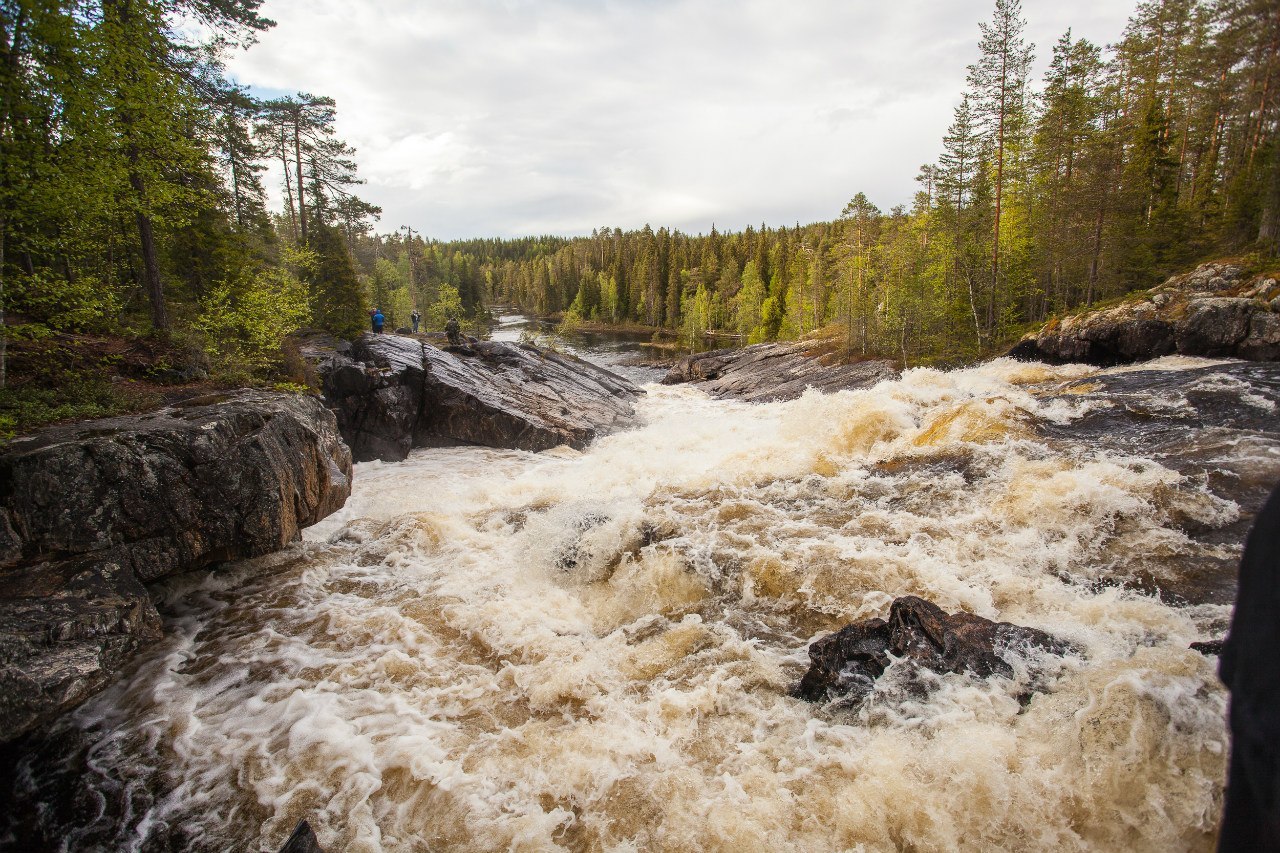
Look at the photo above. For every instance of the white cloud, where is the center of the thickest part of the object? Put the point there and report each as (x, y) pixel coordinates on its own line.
(506, 117)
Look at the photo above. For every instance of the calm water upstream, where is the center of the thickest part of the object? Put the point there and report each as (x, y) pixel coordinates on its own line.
(493, 650)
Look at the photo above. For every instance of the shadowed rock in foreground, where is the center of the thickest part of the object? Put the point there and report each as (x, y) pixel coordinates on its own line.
(763, 373)
(89, 512)
(394, 393)
(1211, 311)
(848, 662)
(303, 840)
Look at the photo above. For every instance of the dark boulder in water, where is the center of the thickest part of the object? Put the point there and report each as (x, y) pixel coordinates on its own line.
(1208, 647)
(91, 511)
(303, 840)
(847, 663)
(392, 394)
(767, 372)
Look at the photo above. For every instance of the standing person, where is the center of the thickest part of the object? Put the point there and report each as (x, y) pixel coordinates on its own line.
(378, 320)
(416, 318)
(452, 331)
(1250, 668)
(372, 325)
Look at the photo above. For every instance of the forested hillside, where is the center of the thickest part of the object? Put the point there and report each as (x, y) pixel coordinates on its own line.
(132, 202)
(1121, 166)
(133, 205)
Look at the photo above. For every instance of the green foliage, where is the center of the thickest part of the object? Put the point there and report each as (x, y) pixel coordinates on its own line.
(335, 292)
(569, 323)
(448, 304)
(28, 407)
(53, 301)
(130, 195)
(244, 319)
(749, 302)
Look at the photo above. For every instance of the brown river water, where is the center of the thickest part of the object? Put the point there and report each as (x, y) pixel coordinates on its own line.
(497, 650)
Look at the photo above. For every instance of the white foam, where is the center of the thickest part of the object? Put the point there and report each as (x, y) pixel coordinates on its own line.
(592, 651)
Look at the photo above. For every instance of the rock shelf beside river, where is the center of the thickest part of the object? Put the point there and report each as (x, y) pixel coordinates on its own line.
(1212, 311)
(89, 512)
(767, 372)
(392, 393)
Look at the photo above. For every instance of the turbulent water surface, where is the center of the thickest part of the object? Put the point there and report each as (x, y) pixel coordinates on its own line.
(490, 650)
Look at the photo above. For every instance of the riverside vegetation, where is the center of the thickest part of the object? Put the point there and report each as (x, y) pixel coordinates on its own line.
(136, 241)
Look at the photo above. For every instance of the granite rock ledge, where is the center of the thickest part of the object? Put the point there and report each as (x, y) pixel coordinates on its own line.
(93, 511)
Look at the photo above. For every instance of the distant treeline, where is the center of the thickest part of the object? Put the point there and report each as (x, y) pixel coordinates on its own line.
(132, 198)
(1122, 166)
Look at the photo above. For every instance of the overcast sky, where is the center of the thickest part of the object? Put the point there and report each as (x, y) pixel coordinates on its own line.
(512, 117)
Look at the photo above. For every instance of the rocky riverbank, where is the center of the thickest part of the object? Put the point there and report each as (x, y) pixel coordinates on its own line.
(1215, 310)
(90, 512)
(393, 393)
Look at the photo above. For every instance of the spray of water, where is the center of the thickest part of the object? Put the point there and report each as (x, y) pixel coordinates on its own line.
(491, 650)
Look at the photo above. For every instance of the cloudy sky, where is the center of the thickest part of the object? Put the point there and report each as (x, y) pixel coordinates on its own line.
(513, 117)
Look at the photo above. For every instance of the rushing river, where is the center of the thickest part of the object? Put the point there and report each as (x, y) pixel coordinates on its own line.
(492, 650)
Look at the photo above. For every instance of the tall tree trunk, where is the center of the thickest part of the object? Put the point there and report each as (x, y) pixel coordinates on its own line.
(150, 266)
(1266, 90)
(1269, 220)
(235, 185)
(297, 154)
(4, 332)
(973, 308)
(288, 181)
(1095, 263)
(995, 240)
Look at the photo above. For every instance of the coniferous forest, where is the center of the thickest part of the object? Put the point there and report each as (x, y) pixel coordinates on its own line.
(1119, 167)
(133, 204)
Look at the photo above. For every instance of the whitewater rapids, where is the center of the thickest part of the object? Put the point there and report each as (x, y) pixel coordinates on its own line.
(492, 650)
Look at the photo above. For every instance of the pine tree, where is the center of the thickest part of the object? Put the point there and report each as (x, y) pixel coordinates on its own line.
(998, 81)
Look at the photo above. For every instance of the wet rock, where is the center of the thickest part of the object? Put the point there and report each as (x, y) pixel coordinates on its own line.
(1263, 341)
(1211, 311)
(66, 629)
(1208, 647)
(1215, 425)
(303, 840)
(766, 372)
(392, 394)
(1214, 326)
(848, 662)
(214, 478)
(91, 511)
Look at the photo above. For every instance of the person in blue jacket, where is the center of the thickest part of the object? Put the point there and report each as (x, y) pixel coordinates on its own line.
(378, 320)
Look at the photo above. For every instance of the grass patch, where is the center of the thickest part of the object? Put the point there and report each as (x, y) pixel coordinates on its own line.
(28, 407)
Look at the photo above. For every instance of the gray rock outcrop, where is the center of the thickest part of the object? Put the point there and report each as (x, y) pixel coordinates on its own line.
(1212, 311)
(392, 394)
(91, 511)
(778, 371)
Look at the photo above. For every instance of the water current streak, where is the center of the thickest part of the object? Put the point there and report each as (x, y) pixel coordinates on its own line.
(492, 650)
